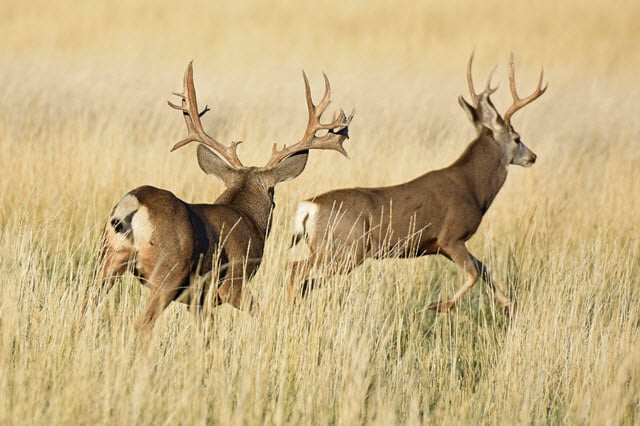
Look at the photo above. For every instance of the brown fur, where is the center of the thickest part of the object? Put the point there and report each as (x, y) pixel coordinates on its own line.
(168, 242)
(436, 213)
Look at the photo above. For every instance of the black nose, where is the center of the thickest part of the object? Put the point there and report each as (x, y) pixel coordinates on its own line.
(533, 159)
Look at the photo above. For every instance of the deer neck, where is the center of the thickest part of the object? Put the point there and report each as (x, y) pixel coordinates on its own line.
(253, 208)
(484, 168)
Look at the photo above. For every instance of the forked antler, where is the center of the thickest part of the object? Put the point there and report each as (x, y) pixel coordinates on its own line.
(196, 133)
(337, 130)
(475, 97)
(517, 102)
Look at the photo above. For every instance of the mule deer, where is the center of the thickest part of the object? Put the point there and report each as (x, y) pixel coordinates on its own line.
(167, 242)
(435, 213)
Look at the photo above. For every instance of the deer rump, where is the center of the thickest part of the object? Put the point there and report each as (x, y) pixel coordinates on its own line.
(169, 235)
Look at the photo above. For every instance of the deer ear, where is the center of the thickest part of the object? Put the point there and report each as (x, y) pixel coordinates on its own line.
(488, 114)
(289, 168)
(212, 165)
(472, 114)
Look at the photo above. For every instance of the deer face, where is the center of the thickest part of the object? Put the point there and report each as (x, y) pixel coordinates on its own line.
(486, 116)
(517, 151)
(509, 140)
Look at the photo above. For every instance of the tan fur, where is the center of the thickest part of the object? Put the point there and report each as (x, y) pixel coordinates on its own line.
(170, 243)
(435, 213)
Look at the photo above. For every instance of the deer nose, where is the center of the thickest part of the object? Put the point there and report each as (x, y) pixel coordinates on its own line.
(533, 158)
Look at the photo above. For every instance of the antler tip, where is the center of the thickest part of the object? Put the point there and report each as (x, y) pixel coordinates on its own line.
(177, 145)
(327, 85)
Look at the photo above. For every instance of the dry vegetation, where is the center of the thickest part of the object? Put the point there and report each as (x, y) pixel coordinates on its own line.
(83, 119)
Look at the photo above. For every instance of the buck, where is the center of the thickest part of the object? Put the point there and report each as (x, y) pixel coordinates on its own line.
(435, 213)
(167, 242)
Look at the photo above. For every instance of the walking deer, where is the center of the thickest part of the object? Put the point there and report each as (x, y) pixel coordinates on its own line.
(168, 242)
(435, 213)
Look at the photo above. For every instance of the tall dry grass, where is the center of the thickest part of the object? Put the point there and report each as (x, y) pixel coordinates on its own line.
(83, 119)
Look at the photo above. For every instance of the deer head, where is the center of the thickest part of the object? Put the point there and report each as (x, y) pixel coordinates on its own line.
(484, 115)
(168, 242)
(252, 188)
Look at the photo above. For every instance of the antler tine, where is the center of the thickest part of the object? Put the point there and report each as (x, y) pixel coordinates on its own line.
(326, 98)
(472, 92)
(337, 129)
(316, 111)
(475, 97)
(488, 89)
(195, 132)
(519, 103)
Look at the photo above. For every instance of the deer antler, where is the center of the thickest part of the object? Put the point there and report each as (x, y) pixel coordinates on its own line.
(196, 133)
(337, 130)
(475, 97)
(519, 103)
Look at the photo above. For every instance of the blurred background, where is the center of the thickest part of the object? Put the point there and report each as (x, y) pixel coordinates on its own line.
(84, 119)
(86, 83)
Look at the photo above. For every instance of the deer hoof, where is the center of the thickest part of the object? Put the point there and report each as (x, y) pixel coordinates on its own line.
(442, 307)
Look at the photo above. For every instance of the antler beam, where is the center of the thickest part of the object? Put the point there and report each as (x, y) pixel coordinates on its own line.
(337, 130)
(195, 132)
(475, 97)
(519, 103)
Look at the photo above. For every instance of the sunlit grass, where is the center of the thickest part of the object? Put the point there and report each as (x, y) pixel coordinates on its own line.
(83, 119)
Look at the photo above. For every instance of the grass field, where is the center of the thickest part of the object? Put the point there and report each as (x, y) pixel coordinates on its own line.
(83, 119)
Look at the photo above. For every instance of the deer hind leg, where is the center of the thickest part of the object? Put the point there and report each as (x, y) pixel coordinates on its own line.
(231, 291)
(300, 282)
(166, 283)
(112, 264)
(507, 306)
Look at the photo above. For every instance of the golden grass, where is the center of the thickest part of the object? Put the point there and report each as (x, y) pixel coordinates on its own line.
(83, 119)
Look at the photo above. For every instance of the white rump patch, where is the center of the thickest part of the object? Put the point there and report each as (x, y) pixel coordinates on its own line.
(305, 221)
(142, 228)
(127, 205)
(129, 208)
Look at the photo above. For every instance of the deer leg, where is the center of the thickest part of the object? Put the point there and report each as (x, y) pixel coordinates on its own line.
(461, 257)
(165, 287)
(474, 269)
(112, 264)
(506, 305)
(299, 272)
(300, 283)
(230, 291)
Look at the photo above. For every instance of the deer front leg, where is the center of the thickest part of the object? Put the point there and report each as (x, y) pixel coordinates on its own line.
(459, 254)
(474, 268)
